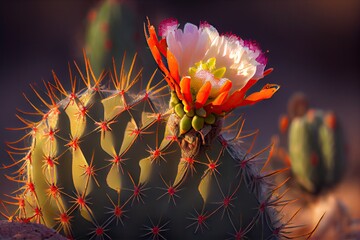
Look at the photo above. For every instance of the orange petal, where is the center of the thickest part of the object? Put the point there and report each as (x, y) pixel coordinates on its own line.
(265, 93)
(219, 100)
(156, 54)
(203, 95)
(234, 99)
(152, 32)
(153, 36)
(157, 48)
(226, 87)
(229, 104)
(237, 97)
(160, 45)
(173, 66)
(185, 90)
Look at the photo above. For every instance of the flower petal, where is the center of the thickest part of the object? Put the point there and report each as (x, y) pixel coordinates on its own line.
(188, 46)
(167, 25)
(173, 66)
(189, 40)
(235, 98)
(157, 56)
(203, 95)
(240, 61)
(265, 93)
(186, 92)
(219, 100)
(226, 87)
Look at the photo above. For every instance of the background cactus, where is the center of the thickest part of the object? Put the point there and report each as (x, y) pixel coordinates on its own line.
(109, 163)
(315, 145)
(316, 155)
(111, 31)
(316, 150)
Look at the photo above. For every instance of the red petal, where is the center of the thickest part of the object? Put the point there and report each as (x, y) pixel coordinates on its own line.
(203, 95)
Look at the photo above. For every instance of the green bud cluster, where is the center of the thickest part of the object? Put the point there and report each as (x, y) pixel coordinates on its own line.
(193, 118)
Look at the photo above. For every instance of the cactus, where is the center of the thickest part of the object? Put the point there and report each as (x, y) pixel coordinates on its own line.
(118, 162)
(111, 31)
(316, 150)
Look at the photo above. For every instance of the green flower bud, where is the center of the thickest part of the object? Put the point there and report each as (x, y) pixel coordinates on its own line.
(201, 112)
(190, 113)
(172, 104)
(210, 119)
(179, 110)
(174, 98)
(197, 122)
(185, 124)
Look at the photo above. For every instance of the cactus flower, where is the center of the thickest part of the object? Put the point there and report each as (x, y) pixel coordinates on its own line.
(208, 70)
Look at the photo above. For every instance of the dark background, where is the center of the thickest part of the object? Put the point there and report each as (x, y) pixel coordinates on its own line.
(314, 46)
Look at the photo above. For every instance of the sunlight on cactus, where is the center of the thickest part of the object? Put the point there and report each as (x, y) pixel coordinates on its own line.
(125, 159)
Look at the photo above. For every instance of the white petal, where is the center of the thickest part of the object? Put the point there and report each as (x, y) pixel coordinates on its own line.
(174, 45)
(189, 46)
(189, 40)
(240, 62)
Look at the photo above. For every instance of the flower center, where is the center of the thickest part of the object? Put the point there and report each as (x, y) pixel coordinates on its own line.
(203, 72)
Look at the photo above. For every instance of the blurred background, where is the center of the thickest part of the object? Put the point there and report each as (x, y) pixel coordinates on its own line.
(314, 47)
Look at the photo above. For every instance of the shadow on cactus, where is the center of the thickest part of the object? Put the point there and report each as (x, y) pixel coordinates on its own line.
(134, 160)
